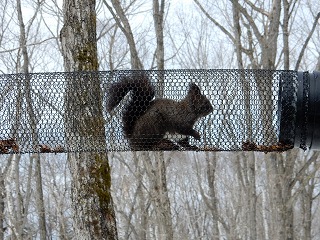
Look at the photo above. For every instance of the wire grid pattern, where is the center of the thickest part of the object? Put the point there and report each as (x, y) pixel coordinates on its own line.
(66, 112)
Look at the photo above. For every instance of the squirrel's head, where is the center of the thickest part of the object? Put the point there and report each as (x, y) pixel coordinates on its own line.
(199, 102)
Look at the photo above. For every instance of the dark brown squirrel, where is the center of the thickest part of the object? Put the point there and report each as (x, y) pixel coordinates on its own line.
(146, 120)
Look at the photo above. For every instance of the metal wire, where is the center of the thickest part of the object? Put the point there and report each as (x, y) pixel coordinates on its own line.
(67, 112)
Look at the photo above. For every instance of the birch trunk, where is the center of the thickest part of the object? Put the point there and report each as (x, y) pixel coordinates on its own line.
(2, 206)
(246, 172)
(94, 216)
(32, 124)
(39, 199)
(159, 194)
(211, 163)
(280, 170)
(160, 189)
(252, 196)
(158, 17)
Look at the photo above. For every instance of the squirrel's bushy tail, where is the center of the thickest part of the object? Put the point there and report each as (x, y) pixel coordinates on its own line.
(142, 93)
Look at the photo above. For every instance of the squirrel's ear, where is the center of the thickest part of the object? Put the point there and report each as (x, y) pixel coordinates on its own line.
(194, 89)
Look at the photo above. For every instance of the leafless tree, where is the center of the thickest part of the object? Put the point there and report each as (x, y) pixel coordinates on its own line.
(31, 112)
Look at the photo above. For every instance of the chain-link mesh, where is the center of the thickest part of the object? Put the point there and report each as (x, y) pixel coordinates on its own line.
(67, 112)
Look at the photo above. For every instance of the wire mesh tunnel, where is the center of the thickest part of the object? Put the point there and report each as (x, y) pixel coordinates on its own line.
(252, 110)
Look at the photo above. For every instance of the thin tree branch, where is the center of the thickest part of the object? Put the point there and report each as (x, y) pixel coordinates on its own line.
(303, 49)
(28, 45)
(123, 23)
(250, 20)
(301, 172)
(257, 9)
(223, 29)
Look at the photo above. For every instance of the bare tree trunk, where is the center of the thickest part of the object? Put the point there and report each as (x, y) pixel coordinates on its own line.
(3, 195)
(15, 208)
(2, 201)
(40, 202)
(306, 202)
(142, 199)
(308, 187)
(159, 194)
(160, 169)
(269, 43)
(252, 196)
(285, 27)
(247, 177)
(211, 163)
(163, 202)
(39, 199)
(158, 19)
(237, 35)
(281, 170)
(92, 202)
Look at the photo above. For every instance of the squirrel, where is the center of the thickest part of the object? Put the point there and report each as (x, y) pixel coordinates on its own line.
(147, 119)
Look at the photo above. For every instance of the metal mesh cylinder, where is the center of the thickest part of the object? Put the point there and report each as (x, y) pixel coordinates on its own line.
(258, 110)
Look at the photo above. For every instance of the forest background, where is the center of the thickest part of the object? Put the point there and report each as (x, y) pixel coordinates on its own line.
(172, 195)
